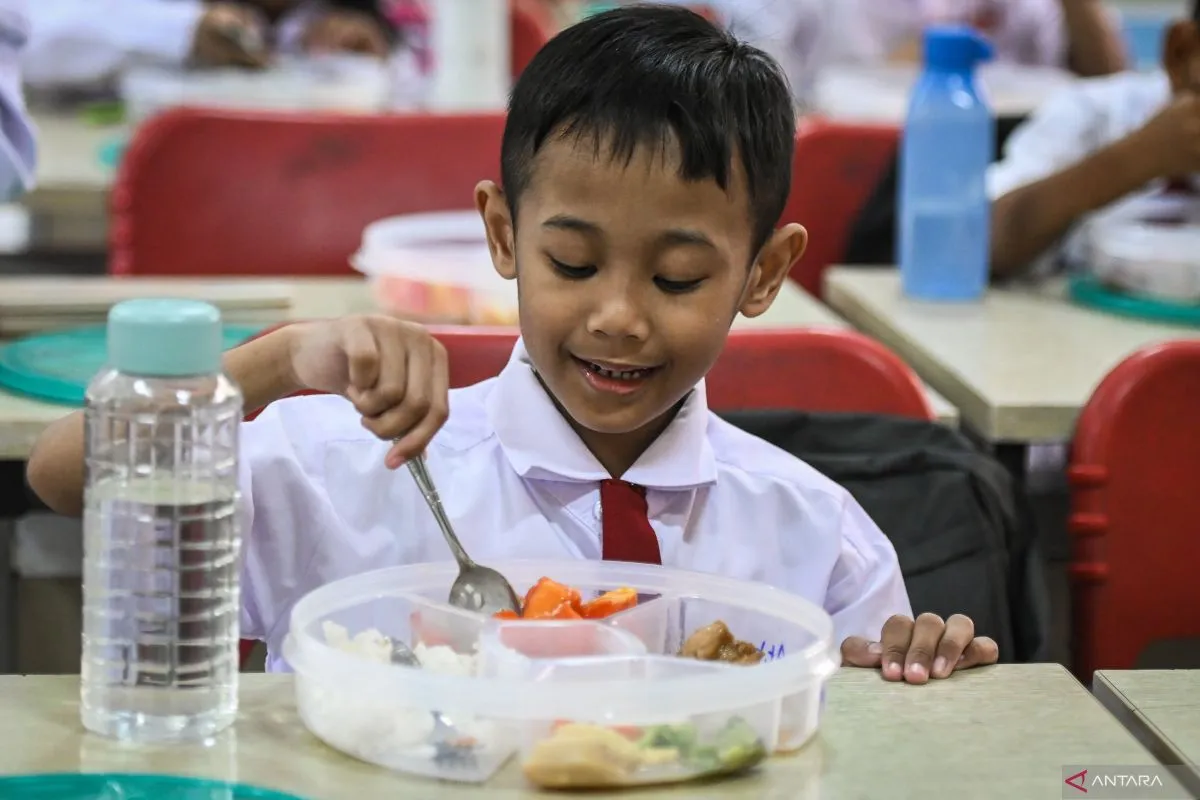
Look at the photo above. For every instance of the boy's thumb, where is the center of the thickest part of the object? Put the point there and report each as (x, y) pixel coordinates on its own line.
(860, 652)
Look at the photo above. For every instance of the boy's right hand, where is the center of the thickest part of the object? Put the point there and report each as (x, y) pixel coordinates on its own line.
(230, 35)
(395, 373)
(1170, 140)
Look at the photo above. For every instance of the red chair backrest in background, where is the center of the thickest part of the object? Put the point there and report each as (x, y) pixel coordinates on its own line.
(835, 169)
(805, 369)
(206, 192)
(532, 27)
(1135, 509)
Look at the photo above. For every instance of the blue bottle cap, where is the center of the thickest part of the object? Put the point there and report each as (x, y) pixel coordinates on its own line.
(165, 338)
(955, 47)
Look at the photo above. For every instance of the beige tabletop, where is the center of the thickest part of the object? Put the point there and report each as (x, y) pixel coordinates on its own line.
(1003, 732)
(70, 203)
(1019, 366)
(1162, 710)
(21, 419)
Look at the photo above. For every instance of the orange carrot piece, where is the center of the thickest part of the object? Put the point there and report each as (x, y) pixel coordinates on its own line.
(609, 603)
(545, 598)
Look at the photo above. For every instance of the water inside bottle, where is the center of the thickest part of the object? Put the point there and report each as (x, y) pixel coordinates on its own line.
(161, 607)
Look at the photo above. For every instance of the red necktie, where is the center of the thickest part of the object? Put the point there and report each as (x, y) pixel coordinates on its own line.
(626, 531)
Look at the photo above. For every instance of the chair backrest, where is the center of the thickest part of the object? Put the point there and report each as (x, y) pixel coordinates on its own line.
(1135, 502)
(208, 192)
(532, 27)
(834, 171)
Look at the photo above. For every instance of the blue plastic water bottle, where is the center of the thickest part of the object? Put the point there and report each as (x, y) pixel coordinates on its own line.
(947, 145)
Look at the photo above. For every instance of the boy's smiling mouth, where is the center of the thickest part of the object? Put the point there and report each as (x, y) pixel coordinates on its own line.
(615, 378)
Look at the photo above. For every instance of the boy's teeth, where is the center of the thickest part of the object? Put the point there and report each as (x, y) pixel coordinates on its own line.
(623, 376)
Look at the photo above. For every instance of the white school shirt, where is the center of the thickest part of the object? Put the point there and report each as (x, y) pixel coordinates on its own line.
(85, 43)
(1070, 126)
(18, 152)
(518, 482)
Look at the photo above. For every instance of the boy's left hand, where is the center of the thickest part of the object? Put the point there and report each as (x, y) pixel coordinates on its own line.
(916, 651)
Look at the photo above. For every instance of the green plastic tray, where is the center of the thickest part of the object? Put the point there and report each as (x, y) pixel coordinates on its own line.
(1088, 291)
(56, 367)
(116, 786)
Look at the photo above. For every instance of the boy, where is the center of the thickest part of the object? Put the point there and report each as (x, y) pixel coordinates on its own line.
(645, 161)
(1121, 138)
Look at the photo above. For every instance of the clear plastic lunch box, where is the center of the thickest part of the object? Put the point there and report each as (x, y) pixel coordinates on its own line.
(580, 704)
(435, 268)
(1155, 254)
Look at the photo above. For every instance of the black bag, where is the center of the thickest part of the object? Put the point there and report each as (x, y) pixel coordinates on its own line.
(964, 536)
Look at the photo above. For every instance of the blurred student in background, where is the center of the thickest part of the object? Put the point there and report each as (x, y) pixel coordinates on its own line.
(17, 150)
(82, 43)
(804, 35)
(1115, 145)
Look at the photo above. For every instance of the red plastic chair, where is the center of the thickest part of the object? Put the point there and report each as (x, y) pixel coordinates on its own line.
(205, 192)
(835, 169)
(1135, 502)
(807, 369)
(532, 27)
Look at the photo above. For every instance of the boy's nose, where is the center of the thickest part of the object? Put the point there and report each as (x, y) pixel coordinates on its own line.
(618, 315)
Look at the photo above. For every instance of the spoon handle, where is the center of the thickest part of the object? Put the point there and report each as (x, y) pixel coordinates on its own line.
(416, 466)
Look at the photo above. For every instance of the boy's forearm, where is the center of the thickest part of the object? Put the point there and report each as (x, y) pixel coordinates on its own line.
(55, 469)
(1030, 219)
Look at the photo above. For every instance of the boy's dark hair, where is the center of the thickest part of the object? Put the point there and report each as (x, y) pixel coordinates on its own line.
(644, 75)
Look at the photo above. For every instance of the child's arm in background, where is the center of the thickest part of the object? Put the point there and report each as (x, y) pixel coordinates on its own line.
(1094, 45)
(86, 43)
(1059, 173)
(394, 373)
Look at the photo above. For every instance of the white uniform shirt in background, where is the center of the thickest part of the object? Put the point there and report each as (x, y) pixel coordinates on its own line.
(517, 482)
(18, 151)
(1072, 125)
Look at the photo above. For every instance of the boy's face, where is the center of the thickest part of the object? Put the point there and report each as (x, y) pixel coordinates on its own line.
(629, 278)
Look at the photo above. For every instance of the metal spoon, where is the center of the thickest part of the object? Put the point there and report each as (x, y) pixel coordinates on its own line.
(449, 750)
(476, 588)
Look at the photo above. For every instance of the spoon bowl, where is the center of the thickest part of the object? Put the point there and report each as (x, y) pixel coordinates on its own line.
(477, 588)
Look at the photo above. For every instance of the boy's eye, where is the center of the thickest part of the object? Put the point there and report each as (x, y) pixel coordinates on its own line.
(677, 287)
(574, 273)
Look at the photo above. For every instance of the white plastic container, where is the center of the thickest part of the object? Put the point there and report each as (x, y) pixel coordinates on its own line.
(436, 268)
(582, 704)
(335, 83)
(1149, 247)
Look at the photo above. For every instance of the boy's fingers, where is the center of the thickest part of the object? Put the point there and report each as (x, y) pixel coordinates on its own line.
(391, 385)
(362, 355)
(981, 651)
(960, 630)
(896, 636)
(926, 633)
(437, 409)
(860, 652)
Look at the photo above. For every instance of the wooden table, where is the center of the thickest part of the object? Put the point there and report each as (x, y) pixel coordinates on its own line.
(1019, 366)
(21, 419)
(1161, 708)
(1003, 732)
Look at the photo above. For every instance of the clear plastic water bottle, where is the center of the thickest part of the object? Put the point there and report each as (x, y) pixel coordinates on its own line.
(948, 142)
(161, 538)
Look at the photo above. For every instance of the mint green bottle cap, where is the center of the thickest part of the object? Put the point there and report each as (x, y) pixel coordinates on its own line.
(163, 337)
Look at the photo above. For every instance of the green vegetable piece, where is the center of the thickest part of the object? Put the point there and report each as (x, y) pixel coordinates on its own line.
(678, 737)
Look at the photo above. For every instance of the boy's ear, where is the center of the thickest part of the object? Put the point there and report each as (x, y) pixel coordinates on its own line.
(771, 268)
(1181, 56)
(498, 224)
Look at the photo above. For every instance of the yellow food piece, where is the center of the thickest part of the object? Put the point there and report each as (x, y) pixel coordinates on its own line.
(581, 756)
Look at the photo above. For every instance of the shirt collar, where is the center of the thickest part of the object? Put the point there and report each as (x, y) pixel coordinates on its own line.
(541, 445)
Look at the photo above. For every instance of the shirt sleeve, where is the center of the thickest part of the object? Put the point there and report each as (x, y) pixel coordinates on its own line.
(866, 587)
(87, 42)
(18, 152)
